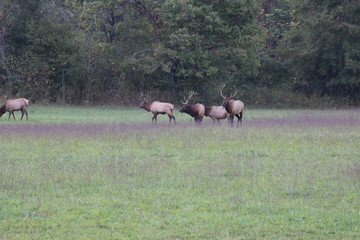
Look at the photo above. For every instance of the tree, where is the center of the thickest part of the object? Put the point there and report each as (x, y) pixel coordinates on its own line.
(7, 9)
(276, 17)
(44, 54)
(119, 39)
(323, 47)
(206, 43)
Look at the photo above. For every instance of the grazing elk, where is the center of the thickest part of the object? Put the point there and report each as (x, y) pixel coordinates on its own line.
(233, 107)
(216, 113)
(157, 108)
(197, 111)
(12, 105)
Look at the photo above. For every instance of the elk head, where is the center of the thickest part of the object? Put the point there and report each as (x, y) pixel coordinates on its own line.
(186, 106)
(145, 98)
(226, 100)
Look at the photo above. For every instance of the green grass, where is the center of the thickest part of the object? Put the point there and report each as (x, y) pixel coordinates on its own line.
(113, 114)
(279, 181)
(80, 114)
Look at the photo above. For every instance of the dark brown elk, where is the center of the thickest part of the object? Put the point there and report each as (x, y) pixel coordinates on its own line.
(197, 111)
(157, 108)
(216, 113)
(233, 107)
(12, 105)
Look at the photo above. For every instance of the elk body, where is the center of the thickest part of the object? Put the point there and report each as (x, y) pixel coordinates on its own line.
(197, 111)
(158, 108)
(216, 113)
(233, 107)
(12, 105)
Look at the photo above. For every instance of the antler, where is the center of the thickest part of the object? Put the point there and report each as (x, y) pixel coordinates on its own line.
(144, 97)
(221, 91)
(231, 96)
(191, 93)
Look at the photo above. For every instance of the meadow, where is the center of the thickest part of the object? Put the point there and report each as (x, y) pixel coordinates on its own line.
(74, 172)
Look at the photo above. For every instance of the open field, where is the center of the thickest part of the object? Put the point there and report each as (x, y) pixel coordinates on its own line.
(108, 173)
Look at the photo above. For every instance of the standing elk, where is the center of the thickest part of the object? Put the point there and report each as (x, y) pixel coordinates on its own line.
(233, 107)
(157, 108)
(216, 113)
(197, 111)
(12, 105)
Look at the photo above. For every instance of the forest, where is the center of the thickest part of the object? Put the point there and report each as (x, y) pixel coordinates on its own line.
(276, 53)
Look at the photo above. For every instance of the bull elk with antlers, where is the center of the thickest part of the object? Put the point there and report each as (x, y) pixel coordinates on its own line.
(197, 111)
(233, 107)
(157, 107)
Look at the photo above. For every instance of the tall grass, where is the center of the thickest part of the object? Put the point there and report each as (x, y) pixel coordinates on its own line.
(108, 175)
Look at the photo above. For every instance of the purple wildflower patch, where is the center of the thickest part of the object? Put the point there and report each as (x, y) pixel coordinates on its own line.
(74, 129)
(305, 120)
(343, 118)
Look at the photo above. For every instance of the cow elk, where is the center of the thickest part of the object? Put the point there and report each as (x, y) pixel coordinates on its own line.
(233, 107)
(216, 113)
(196, 111)
(12, 105)
(157, 108)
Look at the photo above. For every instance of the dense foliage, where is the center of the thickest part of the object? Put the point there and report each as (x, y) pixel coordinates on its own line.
(324, 49)
(111, 50)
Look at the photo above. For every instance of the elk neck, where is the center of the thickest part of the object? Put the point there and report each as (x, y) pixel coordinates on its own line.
(147, 106)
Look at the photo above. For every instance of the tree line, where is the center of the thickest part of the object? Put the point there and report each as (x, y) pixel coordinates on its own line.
(92, 51)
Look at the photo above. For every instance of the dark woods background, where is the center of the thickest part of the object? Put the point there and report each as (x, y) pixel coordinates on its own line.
(277, 53)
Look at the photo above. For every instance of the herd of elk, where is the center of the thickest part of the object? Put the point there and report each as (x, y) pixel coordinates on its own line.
(229, 109)
(12, 105)
(233, 107)
(157, 108)
(198, 111)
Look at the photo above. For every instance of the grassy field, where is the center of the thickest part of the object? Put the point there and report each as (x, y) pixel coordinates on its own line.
(108, 173)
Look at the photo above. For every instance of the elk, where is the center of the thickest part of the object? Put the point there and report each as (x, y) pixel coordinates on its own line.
(197, 111)
(157, 108)
(216, 113)
(233, 107)
(12, 105)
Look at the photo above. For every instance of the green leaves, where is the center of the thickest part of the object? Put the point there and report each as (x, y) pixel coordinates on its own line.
(323, 47)
(95, 50)
(206, 43)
